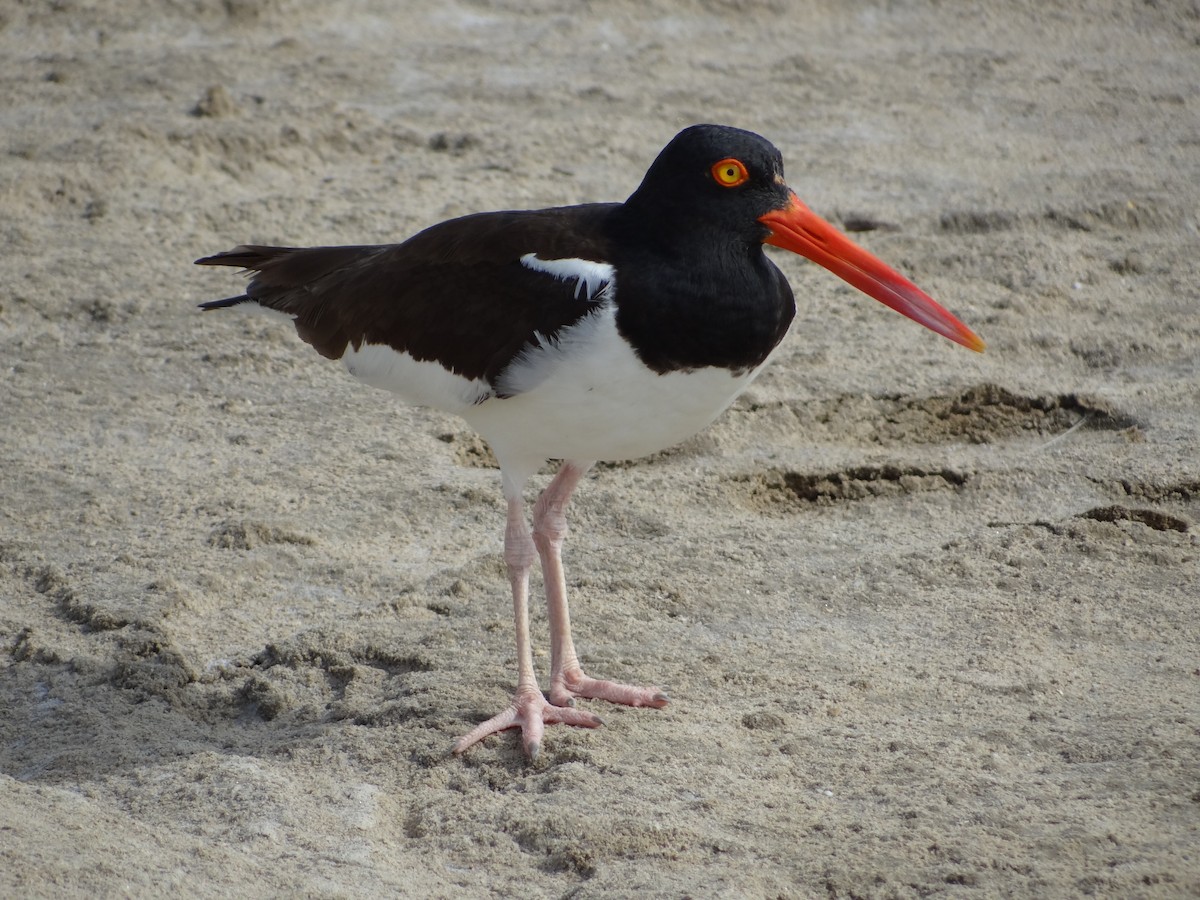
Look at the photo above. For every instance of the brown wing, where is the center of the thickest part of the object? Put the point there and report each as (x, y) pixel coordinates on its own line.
(455, 293)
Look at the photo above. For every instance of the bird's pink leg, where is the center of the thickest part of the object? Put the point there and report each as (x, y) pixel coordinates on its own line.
(528, 710)
(567, 678)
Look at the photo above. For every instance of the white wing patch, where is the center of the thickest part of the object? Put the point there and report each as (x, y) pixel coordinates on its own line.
(592, 278)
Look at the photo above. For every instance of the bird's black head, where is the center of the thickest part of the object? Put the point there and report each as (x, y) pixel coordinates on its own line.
(716, 191)
(714, 177)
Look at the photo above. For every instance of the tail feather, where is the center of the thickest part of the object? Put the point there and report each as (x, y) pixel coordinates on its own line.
(296, 281)
(228, 301)
(289, 267)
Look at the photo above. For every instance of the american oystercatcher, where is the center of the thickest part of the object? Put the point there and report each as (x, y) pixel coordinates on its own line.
(597, 332)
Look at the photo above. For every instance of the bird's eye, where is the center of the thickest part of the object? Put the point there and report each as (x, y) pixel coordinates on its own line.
(730, 172)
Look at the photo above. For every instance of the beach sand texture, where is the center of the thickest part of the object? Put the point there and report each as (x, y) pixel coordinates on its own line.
(928, 618)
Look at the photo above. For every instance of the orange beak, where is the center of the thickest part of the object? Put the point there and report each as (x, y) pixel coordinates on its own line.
(799, 229)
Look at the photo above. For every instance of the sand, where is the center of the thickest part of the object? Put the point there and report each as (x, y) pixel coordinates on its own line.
(928, 618)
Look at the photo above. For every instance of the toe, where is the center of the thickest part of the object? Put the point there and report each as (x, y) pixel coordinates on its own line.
(577, 684)
(530, 712)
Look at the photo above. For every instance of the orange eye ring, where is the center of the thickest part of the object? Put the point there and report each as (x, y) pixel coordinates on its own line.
(730, 172)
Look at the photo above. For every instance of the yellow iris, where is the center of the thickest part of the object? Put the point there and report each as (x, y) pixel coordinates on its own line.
(730, 172)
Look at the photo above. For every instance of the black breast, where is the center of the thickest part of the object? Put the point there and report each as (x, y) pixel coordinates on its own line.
(707, 303)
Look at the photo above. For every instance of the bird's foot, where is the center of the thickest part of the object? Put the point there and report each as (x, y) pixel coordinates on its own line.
(530, 712)
(572, 682)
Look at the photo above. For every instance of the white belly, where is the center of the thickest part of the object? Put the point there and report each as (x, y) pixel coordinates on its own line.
(589, 397)
(583, 396)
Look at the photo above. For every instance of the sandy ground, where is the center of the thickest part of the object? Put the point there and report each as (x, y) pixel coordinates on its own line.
(929, 619)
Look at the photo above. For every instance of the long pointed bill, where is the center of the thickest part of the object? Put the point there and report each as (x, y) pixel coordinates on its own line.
(799, 229)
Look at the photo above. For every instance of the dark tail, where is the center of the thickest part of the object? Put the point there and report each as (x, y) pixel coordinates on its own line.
(249, 258)
(252, 257)
(228, 301)
(298, 281)
(246, 257)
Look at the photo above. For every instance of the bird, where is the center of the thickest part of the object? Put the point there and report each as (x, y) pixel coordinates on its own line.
(603, 331)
